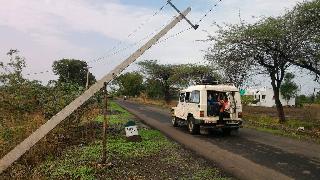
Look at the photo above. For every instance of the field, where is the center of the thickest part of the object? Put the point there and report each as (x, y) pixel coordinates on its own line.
(265, 119)
(75, 153)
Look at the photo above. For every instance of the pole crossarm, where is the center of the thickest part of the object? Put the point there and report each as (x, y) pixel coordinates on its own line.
(194, 26)
(30, 141)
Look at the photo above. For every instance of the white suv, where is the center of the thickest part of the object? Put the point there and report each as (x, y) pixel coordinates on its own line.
(201, 105)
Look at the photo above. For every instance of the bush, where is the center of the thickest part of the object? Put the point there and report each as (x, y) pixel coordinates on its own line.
(247, 100)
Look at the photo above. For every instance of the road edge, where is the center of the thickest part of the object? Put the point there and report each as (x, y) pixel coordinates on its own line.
(230, 163)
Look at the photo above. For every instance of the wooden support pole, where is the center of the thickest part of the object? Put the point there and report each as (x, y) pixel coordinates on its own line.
(105, 124)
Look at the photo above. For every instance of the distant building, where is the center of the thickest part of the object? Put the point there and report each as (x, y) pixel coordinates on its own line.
(265, 97)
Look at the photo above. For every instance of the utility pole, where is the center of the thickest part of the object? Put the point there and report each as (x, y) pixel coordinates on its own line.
(87, 83)
(37, 135)
(105, 124)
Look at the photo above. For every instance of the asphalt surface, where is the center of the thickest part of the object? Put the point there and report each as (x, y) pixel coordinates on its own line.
(248, 154)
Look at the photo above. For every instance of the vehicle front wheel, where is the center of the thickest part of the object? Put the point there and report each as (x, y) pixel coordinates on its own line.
(175, 121)
(192, 127)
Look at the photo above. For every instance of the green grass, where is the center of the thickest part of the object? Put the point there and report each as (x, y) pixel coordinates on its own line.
(288, 129)
(81, 162)
(73, 164)
(116, 119)
(76, 162)
(290, 123)
(152, 142)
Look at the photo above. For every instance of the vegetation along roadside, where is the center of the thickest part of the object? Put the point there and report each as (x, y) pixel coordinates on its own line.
(155, 157)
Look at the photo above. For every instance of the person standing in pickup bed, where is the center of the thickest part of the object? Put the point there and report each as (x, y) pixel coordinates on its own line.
(224, 105)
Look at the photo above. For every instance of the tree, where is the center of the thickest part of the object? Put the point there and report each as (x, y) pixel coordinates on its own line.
(303, 25)
(289, 88)
(270, 46)
(261, 47)
(130, 83)
(153, 88)
(16, 92)
(71, 70)
(190, 74)
(170, 77)
(160, 72)
(11, 73)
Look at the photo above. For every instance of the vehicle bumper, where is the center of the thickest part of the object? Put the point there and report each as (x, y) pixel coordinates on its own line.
(226, 123)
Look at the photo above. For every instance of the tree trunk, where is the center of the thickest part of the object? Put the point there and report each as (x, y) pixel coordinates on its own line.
(166, 92)
(276, 91)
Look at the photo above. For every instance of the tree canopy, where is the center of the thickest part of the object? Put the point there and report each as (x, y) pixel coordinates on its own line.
(289, 88)
(72, 70)
(169, 77)
(269, 46)
(130, 84)
(303, 25)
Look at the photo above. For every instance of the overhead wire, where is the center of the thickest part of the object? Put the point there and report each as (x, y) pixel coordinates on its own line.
(139, 27)
(131, 45)
(189, 28)
(209, 11)
(146, 37)
(110, 51)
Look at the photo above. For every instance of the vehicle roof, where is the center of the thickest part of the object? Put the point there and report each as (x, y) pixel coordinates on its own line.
(220, 88)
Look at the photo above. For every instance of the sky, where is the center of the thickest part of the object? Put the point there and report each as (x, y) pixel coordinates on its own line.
(92, 30)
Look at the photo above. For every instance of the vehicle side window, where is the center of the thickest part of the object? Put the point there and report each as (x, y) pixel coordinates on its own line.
(182, 95)
(187, 97)
(195, 97)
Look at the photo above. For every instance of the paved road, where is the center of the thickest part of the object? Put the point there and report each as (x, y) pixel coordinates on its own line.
(247, 155)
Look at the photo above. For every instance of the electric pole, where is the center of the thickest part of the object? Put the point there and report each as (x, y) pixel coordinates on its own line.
(105, 124)
(37, 135)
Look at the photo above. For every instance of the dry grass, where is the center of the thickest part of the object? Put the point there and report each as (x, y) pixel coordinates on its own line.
(156, 102)
(266, 119)
(310, 112)
(13, 131)
(53, 144)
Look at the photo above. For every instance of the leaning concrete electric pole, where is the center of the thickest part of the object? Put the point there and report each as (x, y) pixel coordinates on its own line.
(25, 145)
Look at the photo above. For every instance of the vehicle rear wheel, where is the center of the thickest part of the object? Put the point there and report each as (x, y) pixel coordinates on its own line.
(175, 121)
(192, 127)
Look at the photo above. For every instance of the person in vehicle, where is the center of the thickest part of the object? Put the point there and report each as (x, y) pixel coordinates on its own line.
(224, 104)
(210, 105)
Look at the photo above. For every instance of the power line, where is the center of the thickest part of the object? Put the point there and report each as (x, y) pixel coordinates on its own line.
(36, 73)
(139, 27)
(174, 35)
(119, 43)
(143, 23)
(187, 29)
(146, 37)
(209, 11)
(130, 45)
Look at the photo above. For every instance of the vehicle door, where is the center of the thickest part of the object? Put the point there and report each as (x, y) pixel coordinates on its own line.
(193, 105)
(181, 105)
(235, 104)
(186, 105)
